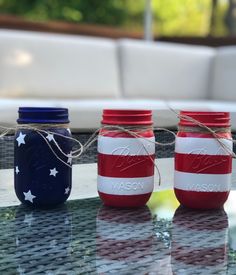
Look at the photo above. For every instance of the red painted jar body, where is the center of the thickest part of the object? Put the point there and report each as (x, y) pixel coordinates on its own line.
(203, 164)
(125, 161)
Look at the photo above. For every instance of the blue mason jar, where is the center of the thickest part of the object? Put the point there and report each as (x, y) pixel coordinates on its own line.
(42, 172)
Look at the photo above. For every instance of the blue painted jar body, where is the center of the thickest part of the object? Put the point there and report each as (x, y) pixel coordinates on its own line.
(41, 178)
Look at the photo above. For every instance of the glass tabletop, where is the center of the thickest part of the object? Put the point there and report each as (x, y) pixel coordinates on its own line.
(84, 237)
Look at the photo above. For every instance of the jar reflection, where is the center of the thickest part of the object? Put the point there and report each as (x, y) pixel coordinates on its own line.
(199, 242)
(127, 243)
(42, 240)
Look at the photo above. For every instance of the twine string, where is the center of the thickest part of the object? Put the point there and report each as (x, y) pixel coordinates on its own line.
(135, 131)
(42, 129)
(213, 131)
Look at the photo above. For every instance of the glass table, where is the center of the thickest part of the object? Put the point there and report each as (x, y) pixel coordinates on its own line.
(85, 237)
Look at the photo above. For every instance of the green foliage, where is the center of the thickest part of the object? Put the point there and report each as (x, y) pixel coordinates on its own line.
(108, 12)
(220, 29)
(170, 17)
(183, 17)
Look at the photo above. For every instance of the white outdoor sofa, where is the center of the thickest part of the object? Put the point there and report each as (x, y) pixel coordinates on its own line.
(87, 74)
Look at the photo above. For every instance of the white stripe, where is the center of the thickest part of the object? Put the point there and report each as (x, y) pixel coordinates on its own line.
(126, 146)
(124, 231)
(125, 186)
(179, 263)
(202, 146)
(202, 182)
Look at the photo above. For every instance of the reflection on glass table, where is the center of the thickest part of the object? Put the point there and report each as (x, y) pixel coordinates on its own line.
(85, 237)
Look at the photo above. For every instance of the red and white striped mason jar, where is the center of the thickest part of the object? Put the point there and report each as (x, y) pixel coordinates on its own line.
(126, 162)
(203, 163)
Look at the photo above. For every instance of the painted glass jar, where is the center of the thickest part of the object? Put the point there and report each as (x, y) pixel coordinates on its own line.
(203, 163)
(126, 158)
(42, 173)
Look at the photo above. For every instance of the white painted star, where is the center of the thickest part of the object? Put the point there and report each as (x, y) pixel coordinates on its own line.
(66, 221)
(17, 241)
(20, 270)
(29, 196)
(53, 243)
(67, 190)
(53, 172)
(28, 219)
(50, 137)
(21, 139)
(69, 158)
(69, 131)
(17, 170)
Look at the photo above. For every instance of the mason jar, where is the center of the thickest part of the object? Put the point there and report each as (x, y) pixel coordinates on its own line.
(126, 154)
(203, 161)
(42, 172)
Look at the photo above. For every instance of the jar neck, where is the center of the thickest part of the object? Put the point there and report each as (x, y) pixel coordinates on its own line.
(126, 128)
(202, 130)
(42, 126)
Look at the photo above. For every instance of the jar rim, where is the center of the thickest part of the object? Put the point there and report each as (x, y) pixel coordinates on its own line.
(42, 115)
(208, 118)
(127, 117)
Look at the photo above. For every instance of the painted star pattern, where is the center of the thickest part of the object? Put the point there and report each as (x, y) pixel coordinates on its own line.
(69, 158)
(66, 221)
(49, 176)
(21, 139)
(53, 172)
(17, 170)
(53, 243)
(50, 137)
(28, 219)
(20, 270)
(17, 241)
(29, 196)
(67, 190)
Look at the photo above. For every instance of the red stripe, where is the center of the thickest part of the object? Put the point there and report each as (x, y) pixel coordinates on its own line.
(203, 164)
(208, 220)
(116, 134)
(124, 200)
(203, 135)
(124, 216)
(123, 250)
(125, 166)
(201, 200)
(196, 256)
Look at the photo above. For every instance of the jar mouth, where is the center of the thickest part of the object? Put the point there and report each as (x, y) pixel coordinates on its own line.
(209, 119)
(42, 115)
(127, 117)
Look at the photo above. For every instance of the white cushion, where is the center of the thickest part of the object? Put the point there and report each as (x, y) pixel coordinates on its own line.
(84, 115)
(57, 66)
(87, 114)
(224, 74)
(165, 70)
